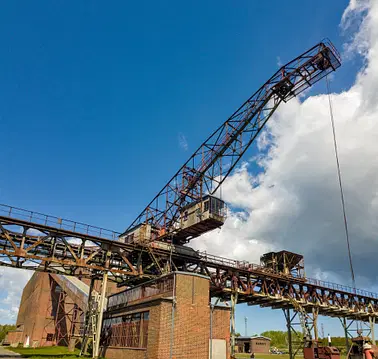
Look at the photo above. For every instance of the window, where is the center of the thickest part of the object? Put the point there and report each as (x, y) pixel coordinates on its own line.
(128, 331)
(206, 208)
(216, 206)
(129, 238)
(50, 337)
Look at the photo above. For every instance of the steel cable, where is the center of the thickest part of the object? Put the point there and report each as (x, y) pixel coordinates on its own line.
(340, 185)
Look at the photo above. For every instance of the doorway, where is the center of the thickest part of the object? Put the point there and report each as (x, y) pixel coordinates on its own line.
(247, 347)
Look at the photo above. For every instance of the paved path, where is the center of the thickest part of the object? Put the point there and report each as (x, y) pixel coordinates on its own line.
(8, 354)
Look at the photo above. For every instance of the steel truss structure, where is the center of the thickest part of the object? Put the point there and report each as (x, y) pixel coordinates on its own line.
(301, 327)
(35, 246)
(214, 160)
(64, 317)
(43, 243)
(353, 328)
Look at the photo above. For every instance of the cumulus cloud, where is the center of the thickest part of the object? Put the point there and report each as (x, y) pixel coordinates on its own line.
(12, 282)
(294, 202)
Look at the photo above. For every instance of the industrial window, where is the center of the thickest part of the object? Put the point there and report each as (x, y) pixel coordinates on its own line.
(216, 206)
(50, 337)
(128, 331)
(129, 238)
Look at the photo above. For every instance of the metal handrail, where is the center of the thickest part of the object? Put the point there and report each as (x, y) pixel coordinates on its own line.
(252, 266)
(341, 287)
(47, 220)
(82, 228)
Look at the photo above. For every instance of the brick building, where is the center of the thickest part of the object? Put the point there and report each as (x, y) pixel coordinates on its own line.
(52, 310)
(257, 344)
(172, 313)
(144, 321)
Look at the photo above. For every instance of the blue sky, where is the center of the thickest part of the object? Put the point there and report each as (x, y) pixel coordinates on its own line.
(94, 99)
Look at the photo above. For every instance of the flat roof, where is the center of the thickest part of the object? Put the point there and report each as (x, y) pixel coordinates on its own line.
(253, 337)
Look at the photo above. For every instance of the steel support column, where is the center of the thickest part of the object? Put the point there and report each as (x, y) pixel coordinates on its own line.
(288, 326)
(346, 333)
(88, 331)
(362, 328)
(315, 313)
(308, 325)
(97, 336)
(234, 300)
(372, 326)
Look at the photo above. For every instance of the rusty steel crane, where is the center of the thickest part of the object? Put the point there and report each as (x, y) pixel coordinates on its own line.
(187, 207)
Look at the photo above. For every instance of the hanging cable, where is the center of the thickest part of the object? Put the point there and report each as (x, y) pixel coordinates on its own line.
(340, 183)
(341, 189)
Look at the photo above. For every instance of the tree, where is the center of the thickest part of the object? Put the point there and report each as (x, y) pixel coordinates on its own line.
(278, 338)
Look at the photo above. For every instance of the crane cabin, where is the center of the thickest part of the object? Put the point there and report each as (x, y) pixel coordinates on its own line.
(142, 233)
(195, 219)
(200, 217)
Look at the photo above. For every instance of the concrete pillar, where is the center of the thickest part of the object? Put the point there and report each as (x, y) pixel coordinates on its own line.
(87, 318)
(96, 344)
(372, 325)
(234, 300)
(315, 313)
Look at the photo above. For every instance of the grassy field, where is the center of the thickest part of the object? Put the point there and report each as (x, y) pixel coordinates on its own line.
(45, 353)
(273, 356)
(264, 356)
(63, 353)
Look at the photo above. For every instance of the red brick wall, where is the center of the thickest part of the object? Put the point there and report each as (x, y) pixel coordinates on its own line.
(260, 345)
(191, 323)
(162, 349)
(192, 320)
(124, 353)
(13, 338)
(33, 313)
(221, 325)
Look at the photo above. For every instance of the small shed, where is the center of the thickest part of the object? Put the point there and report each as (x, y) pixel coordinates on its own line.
(256, 344)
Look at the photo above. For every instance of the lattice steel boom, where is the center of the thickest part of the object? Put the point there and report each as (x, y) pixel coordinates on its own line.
(213, 161)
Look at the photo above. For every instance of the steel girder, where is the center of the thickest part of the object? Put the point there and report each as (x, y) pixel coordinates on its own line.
(40, 247)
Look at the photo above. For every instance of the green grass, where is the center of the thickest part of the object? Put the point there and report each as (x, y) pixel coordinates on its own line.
(46, 352)
(273, 356)
(264, 356)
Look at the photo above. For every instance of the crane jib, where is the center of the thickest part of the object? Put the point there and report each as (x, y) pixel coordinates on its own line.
(186, 206)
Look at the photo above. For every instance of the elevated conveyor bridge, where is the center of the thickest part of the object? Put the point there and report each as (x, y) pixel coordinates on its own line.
(39, 242)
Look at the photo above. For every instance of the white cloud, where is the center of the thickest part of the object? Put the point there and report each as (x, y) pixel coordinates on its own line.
(183, 142)
(294, 203)
(12, 282)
